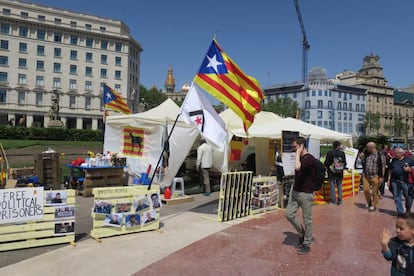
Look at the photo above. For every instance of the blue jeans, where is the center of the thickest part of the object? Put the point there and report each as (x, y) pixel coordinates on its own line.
(399, 189)
(335, 180)
(301, 200)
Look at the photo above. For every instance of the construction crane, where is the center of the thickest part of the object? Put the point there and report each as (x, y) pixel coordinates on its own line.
(305, 44)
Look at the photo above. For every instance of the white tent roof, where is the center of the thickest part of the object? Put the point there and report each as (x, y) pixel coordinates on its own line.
(273, 130)
(232, 121)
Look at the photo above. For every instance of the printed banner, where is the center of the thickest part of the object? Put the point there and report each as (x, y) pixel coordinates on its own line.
(133, 141)
(22, 204)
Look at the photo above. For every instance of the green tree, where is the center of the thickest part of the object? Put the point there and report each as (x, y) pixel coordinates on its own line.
(372, 122)
(400, 128)
(152, 97)
(285, 107)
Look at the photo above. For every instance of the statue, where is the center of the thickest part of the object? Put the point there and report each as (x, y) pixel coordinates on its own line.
(54, 111)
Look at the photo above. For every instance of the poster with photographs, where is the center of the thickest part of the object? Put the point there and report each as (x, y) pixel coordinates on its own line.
(156, 200)
(141, 204)
(64, 212)
(123, 207)
(64, 227)
(102, 207)
(265, 195)
(56, 198)
(114, 219)
(148, 217)
(132, 220)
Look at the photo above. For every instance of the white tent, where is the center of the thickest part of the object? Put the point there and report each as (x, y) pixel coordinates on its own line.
(232, 121)
(139, 137)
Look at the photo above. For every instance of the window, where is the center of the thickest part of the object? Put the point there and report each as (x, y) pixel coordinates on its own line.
(21, 95)
(22, 79)
(313, 93)
(74, 39)
(104, 44)
(40, 50)
(58, 20)
(357, 107)
(41, 18)
(40, 81)
(345, 128)
(88, 85)
(4, 60)
(326, 93)
(39, 98)
(345, 96)
(56, 82)
(103, 73)
(345, 106)
(56, 67)
(3, 77)
(358, 97)
(73, 23)
(58, 37)
(6, 11)
(5, 28)
(88, 27)
(325, 124)
(3, 95)
(41, 34)
(22, 47)
(340, 127)
(58, 52)
(350, 106)
(117, 87)
(339, 95)
(88, 71)
(4, 44)
(89, 42)
(88, 102)
(350, 96)
(89, 57)
(294, 94)
(118, 46)
(351, 128)
(307, 104)
(320, 103)
(307, 93)
(118, 61)
(22, 63)
(24, 14)
(320, 123)
(23, 31)
(330, 115)
(350, 116)
(345, 116)
(319, 114)
(73, 54)
(319, 92)
(103, 29)
(307, 115)
(329, 104)
(117, 75)
(72, 102)
(339, 106)
(339, 116)
(73, 69)
(72, 84)
(40, 65)
(104, 59)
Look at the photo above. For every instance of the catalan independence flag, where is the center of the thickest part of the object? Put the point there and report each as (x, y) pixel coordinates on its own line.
(114, 101)
(220, 76)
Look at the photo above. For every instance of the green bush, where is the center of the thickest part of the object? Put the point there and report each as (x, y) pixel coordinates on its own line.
(56, 134)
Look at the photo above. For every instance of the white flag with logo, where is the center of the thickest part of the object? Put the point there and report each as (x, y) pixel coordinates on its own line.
(198, 111)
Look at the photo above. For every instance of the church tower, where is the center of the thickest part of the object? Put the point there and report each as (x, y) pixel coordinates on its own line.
(170, 81)
(371, 70)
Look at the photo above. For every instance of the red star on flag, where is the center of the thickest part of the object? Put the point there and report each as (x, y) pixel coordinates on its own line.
(198, 120)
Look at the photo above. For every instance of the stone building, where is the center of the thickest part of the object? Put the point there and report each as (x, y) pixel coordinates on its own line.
(45, 50)
(169, 88)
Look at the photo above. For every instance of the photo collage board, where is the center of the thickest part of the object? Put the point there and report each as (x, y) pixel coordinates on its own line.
(265, 194)
(64, 213)
(131, 212)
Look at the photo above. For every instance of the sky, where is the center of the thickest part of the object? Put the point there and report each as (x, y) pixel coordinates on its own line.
(263, 36)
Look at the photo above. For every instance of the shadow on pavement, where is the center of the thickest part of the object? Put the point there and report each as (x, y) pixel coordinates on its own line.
(290, 238)
(207, 208)
(360, 205)
(388, 212)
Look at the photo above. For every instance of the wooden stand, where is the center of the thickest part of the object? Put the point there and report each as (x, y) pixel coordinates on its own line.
(177, 200)
(47, 169)
(101, 177)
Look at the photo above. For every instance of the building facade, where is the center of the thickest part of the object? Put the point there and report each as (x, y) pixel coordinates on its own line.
(44, 50)
(169, 88)
(324, 103)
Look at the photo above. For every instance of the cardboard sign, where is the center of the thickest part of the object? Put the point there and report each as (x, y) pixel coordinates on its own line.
(22, 204)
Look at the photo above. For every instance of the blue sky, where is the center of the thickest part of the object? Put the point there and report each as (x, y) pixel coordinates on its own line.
(263, 37)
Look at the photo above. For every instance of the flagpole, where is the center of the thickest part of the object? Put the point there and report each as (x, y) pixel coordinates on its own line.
(159, 159)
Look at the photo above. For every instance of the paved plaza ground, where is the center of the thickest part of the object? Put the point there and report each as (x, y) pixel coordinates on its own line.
(192, 242)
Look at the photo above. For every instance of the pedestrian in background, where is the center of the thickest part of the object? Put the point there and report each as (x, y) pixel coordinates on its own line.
(335, 162)
(204, 164)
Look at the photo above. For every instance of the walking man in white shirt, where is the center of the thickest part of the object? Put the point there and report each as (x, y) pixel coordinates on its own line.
(204, 163)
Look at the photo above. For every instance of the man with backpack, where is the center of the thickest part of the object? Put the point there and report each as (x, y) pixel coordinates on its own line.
(302, 194)
(335, 162)
(373, 175)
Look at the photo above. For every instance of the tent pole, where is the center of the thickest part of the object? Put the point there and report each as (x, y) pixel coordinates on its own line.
(163, 146)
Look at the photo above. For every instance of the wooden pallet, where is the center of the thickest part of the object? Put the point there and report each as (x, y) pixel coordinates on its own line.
(177, 200)
(39, 232)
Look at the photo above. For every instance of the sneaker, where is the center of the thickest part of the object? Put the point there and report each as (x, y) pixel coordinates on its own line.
(340, 203)
(300, 242)
(305, 249)
(206, 194)
(372, 209)
(332, 203)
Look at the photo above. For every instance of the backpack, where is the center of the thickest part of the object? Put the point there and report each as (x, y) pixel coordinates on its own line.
(338, 165)
(319, 175)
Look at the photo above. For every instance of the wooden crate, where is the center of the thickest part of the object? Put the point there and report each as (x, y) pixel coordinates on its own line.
(38, 232)
(101, 177)
(47, 169)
